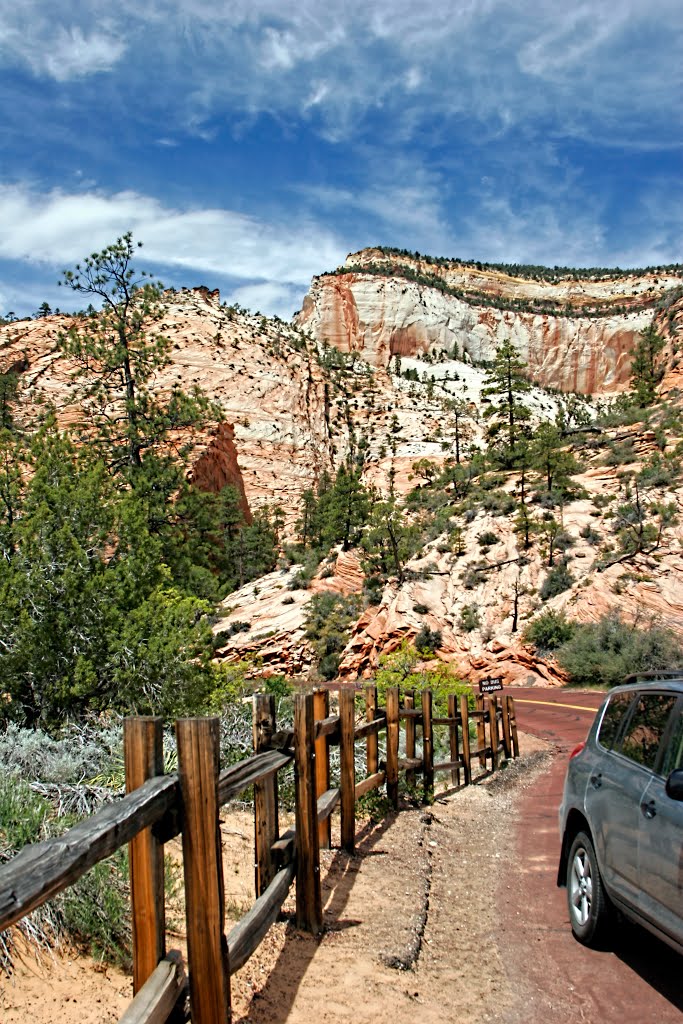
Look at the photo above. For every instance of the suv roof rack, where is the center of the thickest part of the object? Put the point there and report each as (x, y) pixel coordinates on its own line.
(637, 677)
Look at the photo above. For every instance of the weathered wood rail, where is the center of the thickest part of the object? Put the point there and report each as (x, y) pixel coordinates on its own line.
(158, 807)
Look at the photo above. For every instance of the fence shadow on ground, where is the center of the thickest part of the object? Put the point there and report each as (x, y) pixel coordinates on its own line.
(273, 1004)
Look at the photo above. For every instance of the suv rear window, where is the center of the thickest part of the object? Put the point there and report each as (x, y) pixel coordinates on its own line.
(644, 732)
(614, 715)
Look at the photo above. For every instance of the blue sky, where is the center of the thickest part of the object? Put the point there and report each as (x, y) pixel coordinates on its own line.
(250, 146)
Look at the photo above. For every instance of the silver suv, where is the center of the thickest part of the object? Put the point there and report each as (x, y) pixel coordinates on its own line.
(621, 818)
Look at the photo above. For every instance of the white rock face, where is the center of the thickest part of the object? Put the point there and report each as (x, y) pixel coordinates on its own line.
(380, 317)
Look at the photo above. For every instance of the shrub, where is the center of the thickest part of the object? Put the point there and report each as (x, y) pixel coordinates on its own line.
(548, 499)
(328, 619)
(563, 541)
(428, 640)
(620, 453)
(498, 502)
(82, 752)
(95, 911)
(487, 538)
(590, 534)
(660, 471)
(549, 630)
(602, 653)
(23, 815)
(558, 580)
(470, 618)
(300, 580)
(232, 630)
(420, 609)
(373, 588)
(398, 669)
(472, 577)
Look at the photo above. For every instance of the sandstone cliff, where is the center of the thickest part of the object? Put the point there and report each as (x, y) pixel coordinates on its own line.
(267, 381)
(288, 415)
(381, 315)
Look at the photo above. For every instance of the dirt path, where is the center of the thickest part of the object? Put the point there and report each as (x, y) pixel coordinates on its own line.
(422, 891)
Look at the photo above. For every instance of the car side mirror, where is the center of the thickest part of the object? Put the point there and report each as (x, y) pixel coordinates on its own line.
(674, 784)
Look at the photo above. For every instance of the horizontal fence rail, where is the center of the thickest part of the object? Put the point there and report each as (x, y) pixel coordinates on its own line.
(159, 807)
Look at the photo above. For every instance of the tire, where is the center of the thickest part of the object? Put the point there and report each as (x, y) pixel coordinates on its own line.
(587, 901)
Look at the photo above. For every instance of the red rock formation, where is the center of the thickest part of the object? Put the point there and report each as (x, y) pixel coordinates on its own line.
(217, 467)
(382, 316)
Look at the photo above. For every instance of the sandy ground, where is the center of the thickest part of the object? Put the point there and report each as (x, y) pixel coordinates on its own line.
(421, 893)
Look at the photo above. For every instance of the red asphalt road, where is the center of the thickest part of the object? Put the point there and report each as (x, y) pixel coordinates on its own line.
(555, 979)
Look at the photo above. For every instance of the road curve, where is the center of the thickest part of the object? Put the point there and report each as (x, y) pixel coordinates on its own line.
(554, 978)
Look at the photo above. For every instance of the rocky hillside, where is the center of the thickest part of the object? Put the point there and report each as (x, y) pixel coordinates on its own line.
(276, 437)
(481, 597)
(574, 330)
(301, 400)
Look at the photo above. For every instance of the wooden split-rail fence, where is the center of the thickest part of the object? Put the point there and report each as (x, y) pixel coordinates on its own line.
(158, 807)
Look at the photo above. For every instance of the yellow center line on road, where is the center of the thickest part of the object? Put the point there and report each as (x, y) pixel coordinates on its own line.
(554, 704)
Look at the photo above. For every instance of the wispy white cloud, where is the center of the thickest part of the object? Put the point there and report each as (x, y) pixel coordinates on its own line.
(270, 298)
(541, 232)
(75, 54)
(585, 67)
(83, 44)
(58, 228)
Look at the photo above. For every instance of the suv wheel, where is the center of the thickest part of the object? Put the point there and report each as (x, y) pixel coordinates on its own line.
(586, 898)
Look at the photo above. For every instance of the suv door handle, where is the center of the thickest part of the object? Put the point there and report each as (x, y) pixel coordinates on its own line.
(648, 809)
(596, 780)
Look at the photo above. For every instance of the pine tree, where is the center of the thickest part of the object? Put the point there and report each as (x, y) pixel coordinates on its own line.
(506, 382)
(89, 616)
(118, 353)
(9, 389)
(344, 509)
(549, 456)
(305, 523)
(645, 371)
(389, 542)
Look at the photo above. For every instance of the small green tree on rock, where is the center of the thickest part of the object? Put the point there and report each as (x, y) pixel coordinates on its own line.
(118, 352)
(508, 416)
(550, 457)
(646, 373)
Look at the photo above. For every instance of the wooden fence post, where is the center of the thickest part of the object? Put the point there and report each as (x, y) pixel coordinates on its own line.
(493, 732)
(409, 704)
(505, 708)
(427, 745)
(266, 821)
(513, 727)
(392, 744)
(481, 731)
(347, 722)
(453, 737)
(372, 744)
(209, 969)
(321, 709)
(465, 726)
(143, 755)
(309, 914)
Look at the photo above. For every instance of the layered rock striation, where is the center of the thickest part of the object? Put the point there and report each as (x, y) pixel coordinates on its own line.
(582, 345)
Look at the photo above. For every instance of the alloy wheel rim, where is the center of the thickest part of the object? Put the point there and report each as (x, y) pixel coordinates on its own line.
(581, 887)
